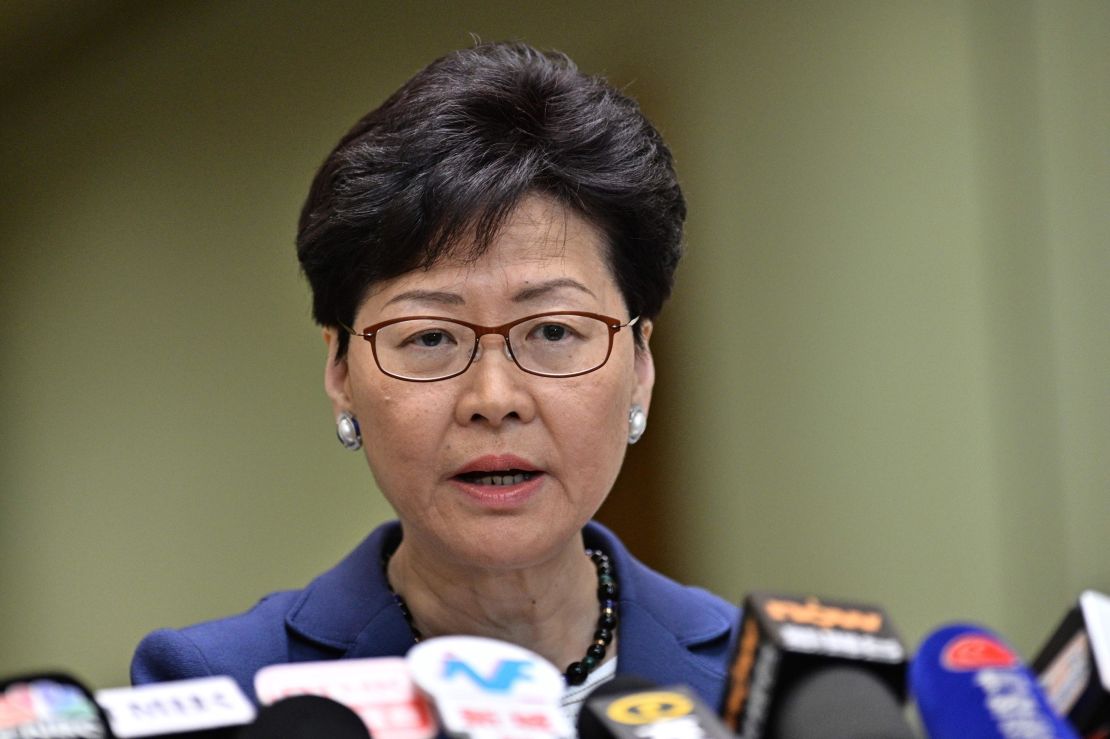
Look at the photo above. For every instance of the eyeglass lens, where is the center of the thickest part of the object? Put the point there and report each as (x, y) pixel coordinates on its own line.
(431, 348)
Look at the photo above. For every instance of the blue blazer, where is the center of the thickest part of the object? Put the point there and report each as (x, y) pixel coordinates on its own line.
(668, 633)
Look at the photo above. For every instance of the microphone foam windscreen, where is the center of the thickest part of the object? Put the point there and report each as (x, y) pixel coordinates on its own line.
(841, 703)
(306, 717)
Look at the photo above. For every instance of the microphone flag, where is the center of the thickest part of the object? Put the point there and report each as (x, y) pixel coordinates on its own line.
(784, 637)
(50, 705)
(1074, 666)
(379, 689)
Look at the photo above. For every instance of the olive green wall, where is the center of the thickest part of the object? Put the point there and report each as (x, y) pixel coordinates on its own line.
(884, 366)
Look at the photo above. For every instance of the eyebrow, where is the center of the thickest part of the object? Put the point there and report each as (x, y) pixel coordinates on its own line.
(532, 292)
(427, 296)
(544, 288)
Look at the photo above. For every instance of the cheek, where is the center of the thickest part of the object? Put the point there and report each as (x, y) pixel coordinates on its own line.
(592, 418)
(400, 430)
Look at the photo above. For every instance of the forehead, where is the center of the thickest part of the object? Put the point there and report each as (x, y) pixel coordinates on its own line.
(543, 243)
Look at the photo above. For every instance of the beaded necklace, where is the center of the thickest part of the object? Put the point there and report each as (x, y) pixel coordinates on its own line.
(576, 672)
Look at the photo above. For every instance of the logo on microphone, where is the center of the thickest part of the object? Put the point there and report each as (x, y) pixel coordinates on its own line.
(472, 667)
(976, 652)
(813, 612)
(48, 707)
(649, 707)
(503, 677)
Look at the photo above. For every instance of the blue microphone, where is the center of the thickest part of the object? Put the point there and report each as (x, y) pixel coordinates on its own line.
(969, 684)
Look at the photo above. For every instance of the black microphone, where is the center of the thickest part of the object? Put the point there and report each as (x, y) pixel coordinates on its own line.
(589, 725)
(788, 648)
(305, 717)
(50, 705)
(1073, 667)
(841, 701)
(632, 708)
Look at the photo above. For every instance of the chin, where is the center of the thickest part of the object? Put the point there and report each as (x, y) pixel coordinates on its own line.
(512, 544)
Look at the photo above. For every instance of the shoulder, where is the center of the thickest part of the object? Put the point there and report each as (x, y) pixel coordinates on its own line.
(345, 611)
(227, 646)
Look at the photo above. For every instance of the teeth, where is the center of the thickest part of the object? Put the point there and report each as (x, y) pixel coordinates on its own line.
(502, 479)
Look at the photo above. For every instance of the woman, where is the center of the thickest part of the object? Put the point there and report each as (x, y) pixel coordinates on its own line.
(487, 251)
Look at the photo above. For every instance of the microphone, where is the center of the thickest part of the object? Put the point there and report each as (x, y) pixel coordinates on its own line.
(841, 701)
(786, 639)
(379, 690)
(1073, 667)
(306, 717)
(969, 683)
(202, 708)
(589, 725)
(632, 708)
(50, 705)
(489, 689)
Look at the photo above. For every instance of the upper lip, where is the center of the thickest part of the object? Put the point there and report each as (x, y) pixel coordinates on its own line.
(497, 463)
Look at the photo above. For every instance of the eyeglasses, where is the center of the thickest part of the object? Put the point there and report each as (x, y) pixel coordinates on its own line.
(430, 348)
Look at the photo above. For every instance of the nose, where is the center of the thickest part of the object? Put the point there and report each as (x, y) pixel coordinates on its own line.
(495, 390)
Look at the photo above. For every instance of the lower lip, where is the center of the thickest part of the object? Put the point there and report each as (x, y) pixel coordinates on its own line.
(501, 497)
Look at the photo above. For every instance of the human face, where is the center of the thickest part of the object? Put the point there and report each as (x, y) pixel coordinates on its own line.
(426, 443)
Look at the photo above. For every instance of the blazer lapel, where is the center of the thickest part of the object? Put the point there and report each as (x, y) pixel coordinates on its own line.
(349, 610)
(667, 633)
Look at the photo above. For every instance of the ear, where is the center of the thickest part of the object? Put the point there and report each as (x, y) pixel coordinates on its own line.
(336, 376)
(644, 367)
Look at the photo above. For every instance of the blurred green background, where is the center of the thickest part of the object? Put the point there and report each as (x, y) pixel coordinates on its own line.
(883, 373)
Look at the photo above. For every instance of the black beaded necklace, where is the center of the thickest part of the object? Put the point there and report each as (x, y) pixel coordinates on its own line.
(576, 672)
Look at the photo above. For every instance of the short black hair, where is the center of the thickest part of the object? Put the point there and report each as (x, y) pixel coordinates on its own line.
(438, 167)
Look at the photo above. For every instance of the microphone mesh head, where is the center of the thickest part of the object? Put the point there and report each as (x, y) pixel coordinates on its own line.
(306, 717)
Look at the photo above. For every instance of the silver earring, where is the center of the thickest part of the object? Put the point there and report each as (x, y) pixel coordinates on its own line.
(346, 429)
(637, 422)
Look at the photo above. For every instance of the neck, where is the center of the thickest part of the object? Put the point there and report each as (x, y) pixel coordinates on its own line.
(550, 607)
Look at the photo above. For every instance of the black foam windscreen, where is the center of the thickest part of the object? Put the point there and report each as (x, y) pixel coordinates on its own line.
(841, 702)
(306, 717)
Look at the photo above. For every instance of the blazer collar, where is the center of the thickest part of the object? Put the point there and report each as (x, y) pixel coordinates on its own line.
(666, 632)
(350, 610)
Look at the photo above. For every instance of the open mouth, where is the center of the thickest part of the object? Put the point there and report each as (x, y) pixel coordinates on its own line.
(496, 477)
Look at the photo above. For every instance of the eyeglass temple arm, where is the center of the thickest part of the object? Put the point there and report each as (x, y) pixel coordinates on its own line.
(350, 330)
(626, 325)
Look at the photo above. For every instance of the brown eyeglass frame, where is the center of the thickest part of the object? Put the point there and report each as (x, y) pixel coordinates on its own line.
(613, 324)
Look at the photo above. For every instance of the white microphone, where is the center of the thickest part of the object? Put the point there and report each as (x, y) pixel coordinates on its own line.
(489, 689)
(1074, 665)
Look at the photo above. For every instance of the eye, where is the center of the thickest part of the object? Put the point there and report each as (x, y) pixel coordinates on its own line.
(430, 338)
(556, 330)
(421, 335)
(552, 331)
